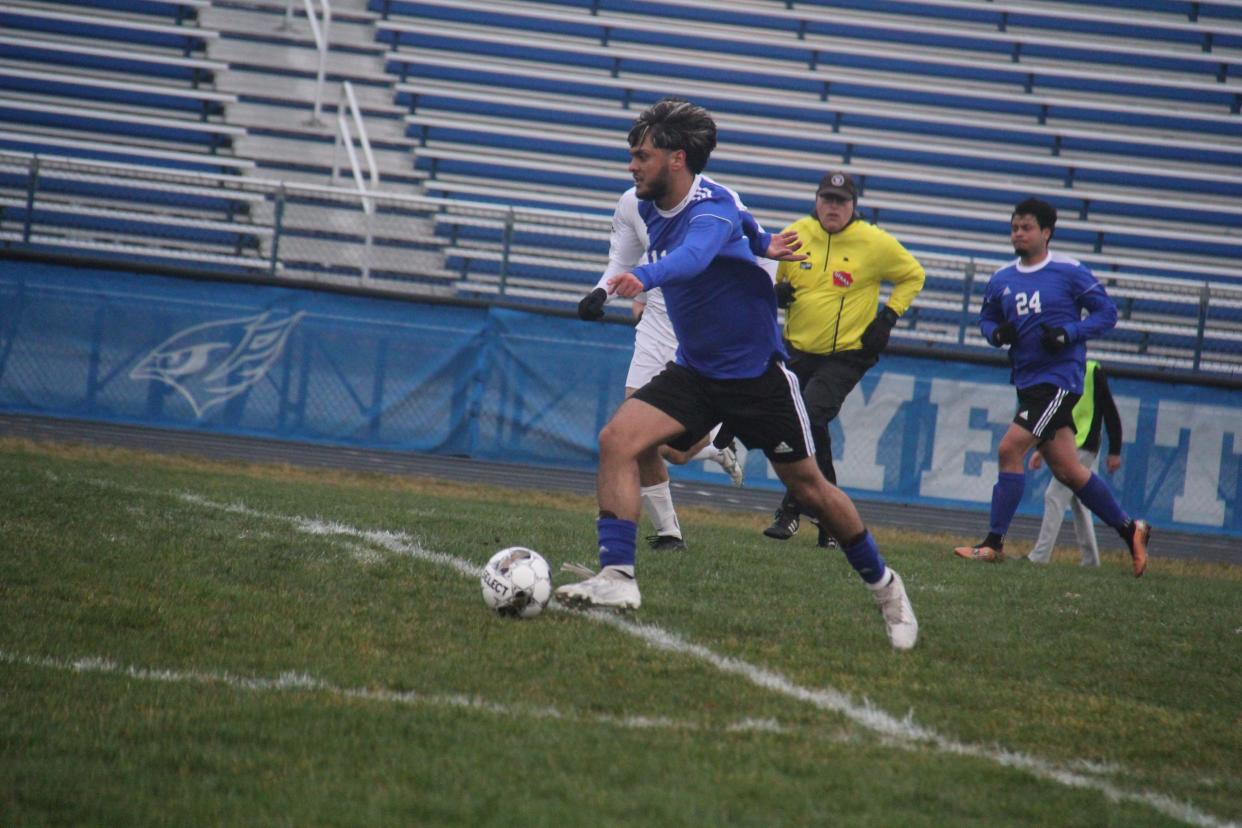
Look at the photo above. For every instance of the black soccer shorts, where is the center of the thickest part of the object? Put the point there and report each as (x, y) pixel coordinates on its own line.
(765, 413)
(1043, 409)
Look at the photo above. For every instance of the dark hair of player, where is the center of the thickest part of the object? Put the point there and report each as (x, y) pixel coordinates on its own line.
(1040, 210)
(676, 124)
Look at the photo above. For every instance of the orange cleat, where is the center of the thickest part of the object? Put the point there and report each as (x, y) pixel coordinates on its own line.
(1138, 546)
(980, 553)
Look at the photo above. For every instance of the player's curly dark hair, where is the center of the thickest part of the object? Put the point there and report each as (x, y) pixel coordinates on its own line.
(1040, 210)
(677, 124)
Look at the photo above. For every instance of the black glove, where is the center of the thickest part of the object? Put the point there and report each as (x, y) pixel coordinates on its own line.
(1005, 334)
(875, 338)
(784, 294)
(592, 305)
(1054, 339)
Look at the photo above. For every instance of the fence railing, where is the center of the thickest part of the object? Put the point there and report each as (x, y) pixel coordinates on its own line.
(290, 232)
(347, 110)
(320, 31)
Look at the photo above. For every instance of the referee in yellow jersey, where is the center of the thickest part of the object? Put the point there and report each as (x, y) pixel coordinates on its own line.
(832, 328)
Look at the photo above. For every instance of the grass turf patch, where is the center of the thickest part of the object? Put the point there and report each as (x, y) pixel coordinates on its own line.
(279, 645)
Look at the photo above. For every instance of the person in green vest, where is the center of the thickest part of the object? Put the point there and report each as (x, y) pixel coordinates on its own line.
(1096, 407)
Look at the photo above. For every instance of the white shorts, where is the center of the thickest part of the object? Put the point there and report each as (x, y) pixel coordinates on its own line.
(651, 354)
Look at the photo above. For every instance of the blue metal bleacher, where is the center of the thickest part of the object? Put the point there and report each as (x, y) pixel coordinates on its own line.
(123, 86)
(1126, 116)
(121, 71)
(947, 112)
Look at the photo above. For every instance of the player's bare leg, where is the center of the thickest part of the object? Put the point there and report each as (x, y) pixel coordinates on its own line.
(835, 510)
(832, 506)
(705, 449)
(657, 497)
(681, 458)
(1010, 483)
(636, 429)
(1061, 455)
(1011, 455)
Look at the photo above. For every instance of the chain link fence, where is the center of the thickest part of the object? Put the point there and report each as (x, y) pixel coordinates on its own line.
(303, 234)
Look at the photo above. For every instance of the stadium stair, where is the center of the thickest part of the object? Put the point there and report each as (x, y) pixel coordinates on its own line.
(272, 71)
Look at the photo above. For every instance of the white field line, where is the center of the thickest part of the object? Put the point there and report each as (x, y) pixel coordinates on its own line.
(301, 682)
(904, 733)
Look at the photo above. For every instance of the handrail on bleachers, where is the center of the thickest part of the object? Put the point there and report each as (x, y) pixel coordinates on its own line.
(321, 31)
(347, 109)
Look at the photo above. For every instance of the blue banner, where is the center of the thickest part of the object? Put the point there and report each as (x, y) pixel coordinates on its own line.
(522, 387)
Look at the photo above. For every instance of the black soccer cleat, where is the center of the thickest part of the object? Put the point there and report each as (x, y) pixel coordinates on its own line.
(784, 525)
(826, 540)
(666, 543)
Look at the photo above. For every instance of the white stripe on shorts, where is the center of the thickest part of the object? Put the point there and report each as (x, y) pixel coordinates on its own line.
(795, 391)
(1057, 399)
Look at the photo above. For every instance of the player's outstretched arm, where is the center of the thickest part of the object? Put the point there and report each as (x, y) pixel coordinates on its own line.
(785, 246)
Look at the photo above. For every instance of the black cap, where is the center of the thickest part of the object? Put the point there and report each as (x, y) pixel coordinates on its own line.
(838, 183)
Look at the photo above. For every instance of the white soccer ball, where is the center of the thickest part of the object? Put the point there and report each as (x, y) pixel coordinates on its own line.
(517, 582)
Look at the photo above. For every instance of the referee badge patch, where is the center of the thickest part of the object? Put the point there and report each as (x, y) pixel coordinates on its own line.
(842, 278)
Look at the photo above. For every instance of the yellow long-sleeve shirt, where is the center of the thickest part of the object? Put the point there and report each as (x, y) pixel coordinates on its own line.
(838, 287)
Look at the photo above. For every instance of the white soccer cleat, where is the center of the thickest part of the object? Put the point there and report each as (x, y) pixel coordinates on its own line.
(903, 627)
(611, 588)
(727, 458)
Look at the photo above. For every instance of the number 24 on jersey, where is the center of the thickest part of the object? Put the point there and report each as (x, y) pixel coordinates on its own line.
(1024, 304)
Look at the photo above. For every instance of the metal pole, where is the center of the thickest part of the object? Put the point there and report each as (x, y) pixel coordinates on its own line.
(277, 222)
(967, 287)
(323, 59)
(31, 185)
(341, 127)
(504, 253)
(366, 251)
(1204, 295)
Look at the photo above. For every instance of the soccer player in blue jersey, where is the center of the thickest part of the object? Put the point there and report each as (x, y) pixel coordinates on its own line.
(730, 363)
(1035, 306)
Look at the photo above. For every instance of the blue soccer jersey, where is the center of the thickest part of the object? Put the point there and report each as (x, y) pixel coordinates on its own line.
(719, 299)
(1051, 294)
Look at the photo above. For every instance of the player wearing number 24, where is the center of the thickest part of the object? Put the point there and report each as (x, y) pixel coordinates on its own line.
(1034, 305)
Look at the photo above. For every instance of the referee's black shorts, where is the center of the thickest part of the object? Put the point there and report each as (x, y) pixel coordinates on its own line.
(765, 413)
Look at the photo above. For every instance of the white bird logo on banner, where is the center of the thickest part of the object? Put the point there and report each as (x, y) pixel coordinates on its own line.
(213, 362)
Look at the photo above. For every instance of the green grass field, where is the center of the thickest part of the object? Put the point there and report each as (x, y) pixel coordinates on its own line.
(192, 643)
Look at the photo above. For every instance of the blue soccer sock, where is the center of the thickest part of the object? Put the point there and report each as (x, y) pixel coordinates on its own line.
(1006, 495)
(1097, 497)
(616, 541)
(864, 556)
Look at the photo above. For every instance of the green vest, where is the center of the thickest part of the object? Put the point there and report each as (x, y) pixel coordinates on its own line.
(1084, 410)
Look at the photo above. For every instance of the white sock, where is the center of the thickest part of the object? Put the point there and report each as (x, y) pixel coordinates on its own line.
(658, 506)
(885, 580)
(709, 451)
(624, 569)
